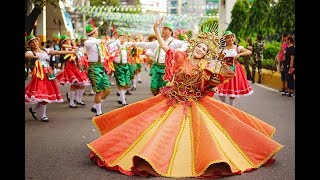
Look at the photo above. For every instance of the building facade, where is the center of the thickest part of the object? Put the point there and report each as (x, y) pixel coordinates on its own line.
(54, 19)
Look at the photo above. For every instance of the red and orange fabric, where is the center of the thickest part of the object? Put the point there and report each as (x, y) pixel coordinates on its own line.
(181, 133)
(134, 55)
(71, 74)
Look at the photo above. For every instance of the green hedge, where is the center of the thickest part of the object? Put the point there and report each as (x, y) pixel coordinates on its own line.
(266, 63)
(270, 51)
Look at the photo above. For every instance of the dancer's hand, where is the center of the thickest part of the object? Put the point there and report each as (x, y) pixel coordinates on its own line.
(215, 89)
(221, 55)
(162, 43)
(291, 70)
(237, 56)
(157, 23)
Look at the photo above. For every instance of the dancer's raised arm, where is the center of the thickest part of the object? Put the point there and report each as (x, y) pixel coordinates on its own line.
(157, 33)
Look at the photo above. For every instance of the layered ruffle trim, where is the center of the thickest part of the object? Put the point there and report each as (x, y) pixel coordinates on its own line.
(216, 174)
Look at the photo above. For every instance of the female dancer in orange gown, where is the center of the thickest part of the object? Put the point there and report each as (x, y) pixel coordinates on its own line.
(184, 132)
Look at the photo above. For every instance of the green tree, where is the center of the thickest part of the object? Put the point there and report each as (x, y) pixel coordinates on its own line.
(256, 21)
(282, 16)
(239, 15)
(36, 11)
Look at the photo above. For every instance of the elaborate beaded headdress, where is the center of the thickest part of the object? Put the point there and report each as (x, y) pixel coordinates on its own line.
(209, 37)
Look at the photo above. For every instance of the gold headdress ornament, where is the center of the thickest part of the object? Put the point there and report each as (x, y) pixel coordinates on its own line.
(208, 38)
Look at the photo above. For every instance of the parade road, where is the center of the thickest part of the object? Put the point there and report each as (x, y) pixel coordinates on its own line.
(57, 150)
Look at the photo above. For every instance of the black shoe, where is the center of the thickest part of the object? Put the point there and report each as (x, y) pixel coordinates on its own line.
(81, 103)
(93, 110)
(290, 95)
(44, 119)
(259, 80)
(285, 93)
(282, 90)
(139, 81)
(119, 102)
(68, 97)
(99, 114)
(128, 93)
(125, 104)
(73, 106)
(118, 94)
(34, 114)
(133, 89)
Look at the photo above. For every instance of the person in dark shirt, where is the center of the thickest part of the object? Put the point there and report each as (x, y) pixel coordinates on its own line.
(289, 66)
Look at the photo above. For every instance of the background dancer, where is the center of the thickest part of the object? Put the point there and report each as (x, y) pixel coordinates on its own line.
(158, 66)
(42, 88)
(237, 86)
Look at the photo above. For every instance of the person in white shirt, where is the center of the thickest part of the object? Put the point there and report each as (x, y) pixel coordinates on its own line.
(122, 68)
(158, 67)
(99, 80)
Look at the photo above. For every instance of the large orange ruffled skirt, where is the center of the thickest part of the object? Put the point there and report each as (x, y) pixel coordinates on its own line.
(204, 138)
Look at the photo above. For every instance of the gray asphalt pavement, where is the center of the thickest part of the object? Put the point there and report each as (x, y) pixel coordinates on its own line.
(57, 150)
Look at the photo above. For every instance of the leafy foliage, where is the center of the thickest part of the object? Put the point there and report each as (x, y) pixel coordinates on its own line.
(239, 14)
(269, 64)
(255, 23)
(269, 53)
(271, 49)
(282, 16)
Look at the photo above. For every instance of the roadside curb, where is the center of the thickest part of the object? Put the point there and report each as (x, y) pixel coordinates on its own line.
(270, 78)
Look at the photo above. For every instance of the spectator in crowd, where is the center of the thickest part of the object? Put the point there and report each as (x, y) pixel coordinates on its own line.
(289, 66)
(280, 60)
(248, 59)
(257, 50)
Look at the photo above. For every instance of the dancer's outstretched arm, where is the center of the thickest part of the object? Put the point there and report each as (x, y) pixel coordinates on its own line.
(157, 33)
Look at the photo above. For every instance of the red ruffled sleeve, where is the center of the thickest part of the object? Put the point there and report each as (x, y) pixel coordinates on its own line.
(173, 61)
